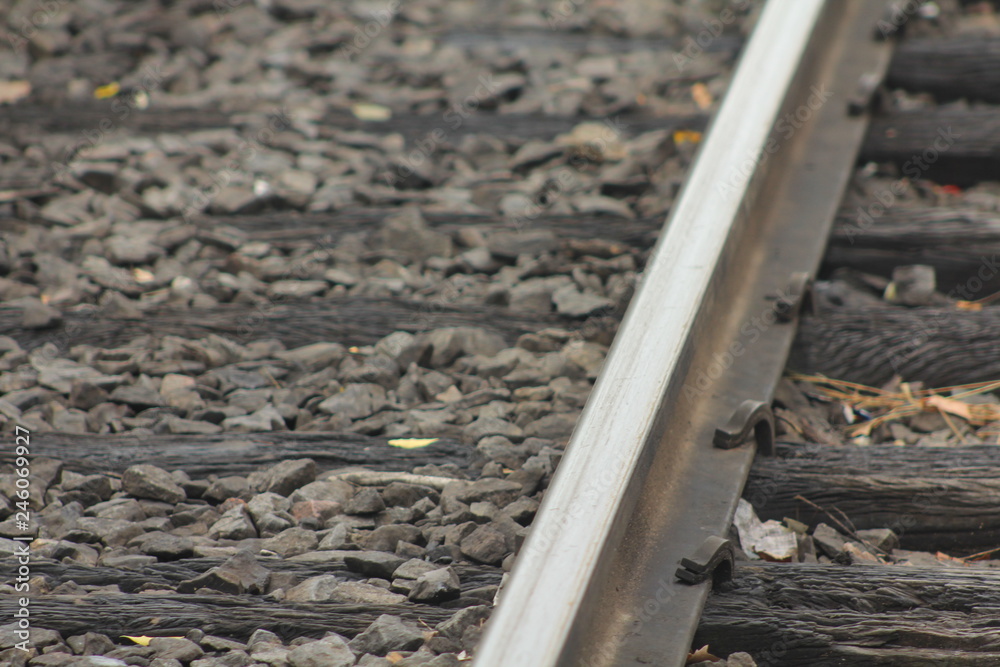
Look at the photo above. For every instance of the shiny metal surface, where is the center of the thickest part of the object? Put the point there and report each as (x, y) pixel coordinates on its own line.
(594, 583)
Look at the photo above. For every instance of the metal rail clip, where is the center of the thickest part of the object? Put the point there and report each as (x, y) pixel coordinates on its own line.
(755, 415)
(715, 558)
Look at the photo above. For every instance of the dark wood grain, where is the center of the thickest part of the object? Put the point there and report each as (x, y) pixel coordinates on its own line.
(819, 616)
(237, 453)
(946, 145)
(933, 499)
(965, 67)
(938, 346)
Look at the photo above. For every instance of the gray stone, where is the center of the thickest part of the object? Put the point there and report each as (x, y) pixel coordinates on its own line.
(557, 426)
(228, 487)
(179, 426)
(829, 541)
(571, 301)
(385, 538)
(331, 651)
(881, 538)
(399, 494)
(59, 375)
(335, 490)
(337, 539)
(101, 486)
(131, 250)
(112, 532)
(270, 654)
(148, 481)
(270, 524)
(373, 563)
(296, 289)
(37, 315)
(408, 234)
(267, 503)
(356, 401)
(500, 492)
(522, 510)
(388, 633)
(413, 568)
(266, 419)
(235, 524)
(436, 586)
(486, 545)
(508, 245)
(262, 637)
(40, 637)
(292, 542)
(86, 394)
(490, 426)
(313, 589)
(176, 648)
(354, 592)
(366, 501)
(138, 397)
(285, 477)
(450, 343)
(91, 643)
(462, 620)
(167, 547)
(240, 574)
(316, 356)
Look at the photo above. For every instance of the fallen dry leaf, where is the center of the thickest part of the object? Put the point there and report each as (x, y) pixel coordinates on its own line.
(12, 91)
(110, 90)
(950, 405)
(687, 137)
(701, 655)
(701, 96)
(372, 112)
(945, 558)
(412, 443)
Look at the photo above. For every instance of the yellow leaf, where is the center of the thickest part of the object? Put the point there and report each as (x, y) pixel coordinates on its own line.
(701, 96)
(412, 443)
(110, 90)
(394, 657)
(144, 640)
(373, 112)
(141, 641)
(701, 655)
(687, 137)
(950, 405)
(969, 305)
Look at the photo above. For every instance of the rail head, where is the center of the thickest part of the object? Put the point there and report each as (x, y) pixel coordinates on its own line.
(595, 487)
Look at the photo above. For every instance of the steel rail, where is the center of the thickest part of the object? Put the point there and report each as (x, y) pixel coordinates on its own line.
(641, 486)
